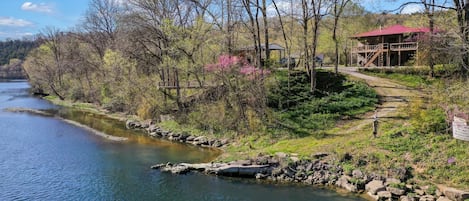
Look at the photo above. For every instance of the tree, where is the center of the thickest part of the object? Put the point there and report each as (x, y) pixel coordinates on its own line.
(319, 11)
(44, 65)
(461, 7)
(338, 9)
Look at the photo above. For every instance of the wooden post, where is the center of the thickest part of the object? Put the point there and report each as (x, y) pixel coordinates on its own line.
(375, 124)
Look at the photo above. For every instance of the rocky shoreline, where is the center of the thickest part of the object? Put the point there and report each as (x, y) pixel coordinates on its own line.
(319, 171)
(155, 131)
(284, 168)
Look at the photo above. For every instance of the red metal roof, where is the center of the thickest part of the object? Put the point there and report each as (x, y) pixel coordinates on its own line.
(392, 30)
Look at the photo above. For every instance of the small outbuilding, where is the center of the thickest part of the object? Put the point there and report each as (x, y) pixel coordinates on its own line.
(249, 52)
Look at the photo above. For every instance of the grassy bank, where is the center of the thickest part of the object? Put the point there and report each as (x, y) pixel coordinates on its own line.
(336, 119)
(422, 140)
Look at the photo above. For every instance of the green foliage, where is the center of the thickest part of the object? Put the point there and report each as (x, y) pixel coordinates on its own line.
(301, 111)
(15, 49)
(431, 190)
(398, 185)
(427, 120)
(348, 168)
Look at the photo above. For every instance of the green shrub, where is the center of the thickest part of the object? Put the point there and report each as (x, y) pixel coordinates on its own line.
(432, 120)
(303, 112)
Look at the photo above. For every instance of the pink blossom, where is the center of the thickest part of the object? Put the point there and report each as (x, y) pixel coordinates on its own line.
(227, 63)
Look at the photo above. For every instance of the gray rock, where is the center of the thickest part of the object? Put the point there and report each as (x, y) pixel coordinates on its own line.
(217, 143)
(350, 187)
(179, 169)
(409, 186)
(427, 198)
(371, 196)
(395, 191)
(442, 198)
(260, 176)
(190, 138)
(438, 193)
(294, 159)
(419, 192)
(164, 133)
(131, 124)
(342, 181)
(455, 194)
(152, 128)
(184, 136)
(200, 138)
(224, 141)
(375, 186)
(406, 198)
(384, 195)
(240, 162)
(357, 174)
(392, 181)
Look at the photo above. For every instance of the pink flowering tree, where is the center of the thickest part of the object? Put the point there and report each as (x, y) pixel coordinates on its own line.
(236, 65)
(244, 83)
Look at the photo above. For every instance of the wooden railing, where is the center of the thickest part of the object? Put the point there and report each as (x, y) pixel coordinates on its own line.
(369, 48)
(404, 46)
(384, 46)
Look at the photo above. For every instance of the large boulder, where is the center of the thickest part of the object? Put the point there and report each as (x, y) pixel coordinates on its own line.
(343, 182)
(357, 174)
(427, 198)
(455, 194)
(132, 124)
(375, 186)
(395, 191)
(406, 198)
(441, 198)
(384, 195)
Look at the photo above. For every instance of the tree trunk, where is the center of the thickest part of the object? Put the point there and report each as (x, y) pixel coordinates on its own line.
(266, 33)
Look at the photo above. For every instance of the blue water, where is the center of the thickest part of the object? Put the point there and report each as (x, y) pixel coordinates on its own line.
(43, 158)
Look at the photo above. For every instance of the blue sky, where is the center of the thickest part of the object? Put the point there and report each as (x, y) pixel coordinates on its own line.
(19, 18)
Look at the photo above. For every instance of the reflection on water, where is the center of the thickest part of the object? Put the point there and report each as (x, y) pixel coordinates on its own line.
(44, 158)
(117, 128)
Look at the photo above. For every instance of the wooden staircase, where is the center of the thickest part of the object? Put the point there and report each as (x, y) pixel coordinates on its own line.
(377, 53)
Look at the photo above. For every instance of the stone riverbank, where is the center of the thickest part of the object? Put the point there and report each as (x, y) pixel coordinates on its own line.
(318, 170)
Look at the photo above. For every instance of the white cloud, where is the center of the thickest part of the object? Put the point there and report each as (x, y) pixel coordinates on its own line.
(41, 8)
(285, 8)
(412, 8)
(15, 35)
(12, 22)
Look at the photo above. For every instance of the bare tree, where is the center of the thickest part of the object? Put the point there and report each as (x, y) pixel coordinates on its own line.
(461, 7)
(338, 8)
(319, 11)
(100, 24)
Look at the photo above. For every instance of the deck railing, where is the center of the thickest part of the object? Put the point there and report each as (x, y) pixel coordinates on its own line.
(404, 46)
(392, 46)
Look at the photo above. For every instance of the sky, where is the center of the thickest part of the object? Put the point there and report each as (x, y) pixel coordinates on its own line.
(20, 18)
(23, 18)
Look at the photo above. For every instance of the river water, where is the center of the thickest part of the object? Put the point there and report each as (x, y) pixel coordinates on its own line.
(44, 158)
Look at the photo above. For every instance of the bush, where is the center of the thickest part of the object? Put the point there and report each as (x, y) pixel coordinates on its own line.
(303, 112)
(427, 120)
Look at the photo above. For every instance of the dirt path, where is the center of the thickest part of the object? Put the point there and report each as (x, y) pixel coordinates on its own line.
(392, 96)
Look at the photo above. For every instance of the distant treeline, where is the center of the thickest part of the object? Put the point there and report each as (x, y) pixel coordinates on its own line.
(15, 49)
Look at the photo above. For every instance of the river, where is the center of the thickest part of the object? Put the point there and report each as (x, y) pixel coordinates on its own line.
(45, 158)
